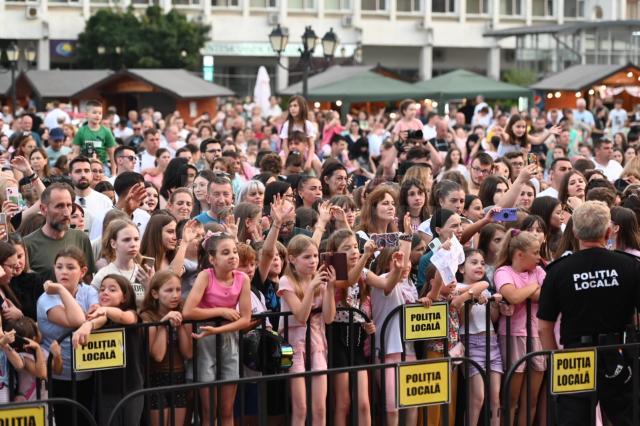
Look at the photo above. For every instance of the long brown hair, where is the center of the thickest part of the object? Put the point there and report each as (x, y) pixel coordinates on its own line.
(303, 112)
(368, 214)
(150, 304)
(152, 245)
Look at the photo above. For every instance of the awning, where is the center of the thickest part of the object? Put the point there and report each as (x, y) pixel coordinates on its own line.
(579, 77)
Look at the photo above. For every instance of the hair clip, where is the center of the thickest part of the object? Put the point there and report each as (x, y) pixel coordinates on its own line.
(515, 232)
(208, 235)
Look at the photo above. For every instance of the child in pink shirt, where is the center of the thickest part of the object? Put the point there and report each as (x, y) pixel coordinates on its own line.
(519, 278)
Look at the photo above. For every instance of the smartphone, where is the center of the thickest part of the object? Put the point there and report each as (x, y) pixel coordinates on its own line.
(339, 263)
(532, 158)
(149, 262)
(385, 240)
(435, 244)
(13, 195)
(505, 215)
(3, 226)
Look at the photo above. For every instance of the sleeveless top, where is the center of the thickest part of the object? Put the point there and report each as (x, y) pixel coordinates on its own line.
(220, 295)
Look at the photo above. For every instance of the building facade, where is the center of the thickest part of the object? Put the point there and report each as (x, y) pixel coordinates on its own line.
(416, 38)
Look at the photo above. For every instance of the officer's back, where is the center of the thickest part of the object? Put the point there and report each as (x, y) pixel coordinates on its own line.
(595, 291)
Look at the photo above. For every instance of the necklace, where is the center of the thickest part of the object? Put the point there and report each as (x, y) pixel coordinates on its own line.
(125, 275)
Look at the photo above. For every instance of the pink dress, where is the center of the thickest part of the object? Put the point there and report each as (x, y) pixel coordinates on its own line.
(298, 332)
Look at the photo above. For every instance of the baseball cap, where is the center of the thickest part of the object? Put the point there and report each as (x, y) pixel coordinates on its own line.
(56, 134)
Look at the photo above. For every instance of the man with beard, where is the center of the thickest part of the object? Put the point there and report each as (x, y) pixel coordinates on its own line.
(92, 202)
(481, 167)
(44, 244)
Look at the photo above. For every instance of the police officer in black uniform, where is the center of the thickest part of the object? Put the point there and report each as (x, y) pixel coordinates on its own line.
(596, 291)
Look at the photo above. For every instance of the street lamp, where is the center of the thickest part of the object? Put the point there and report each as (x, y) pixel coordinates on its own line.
(13, 55)
(279, 37)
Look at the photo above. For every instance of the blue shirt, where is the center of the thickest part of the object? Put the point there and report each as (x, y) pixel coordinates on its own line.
(85, 296)
(423, 264)
(205, 218)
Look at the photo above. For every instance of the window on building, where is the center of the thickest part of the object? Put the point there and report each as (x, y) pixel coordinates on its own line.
(443, 6)
(633, 9)
(409, 5)
(225, 3)
(337, 4)
(478, 7)
(263, 4)
(542, 7)
(176, 2)
(374, 5)
(302, 4)
(574, 8)
(511, 7)
(157, 2)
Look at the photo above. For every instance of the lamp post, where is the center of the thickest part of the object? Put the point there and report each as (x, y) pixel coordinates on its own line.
(102, 51)
(279, 38)
(13, 55)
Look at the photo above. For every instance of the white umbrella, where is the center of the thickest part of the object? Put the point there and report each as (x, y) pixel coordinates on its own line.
(262, 91)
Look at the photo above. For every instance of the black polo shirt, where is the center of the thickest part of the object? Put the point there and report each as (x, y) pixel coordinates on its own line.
(595, 290)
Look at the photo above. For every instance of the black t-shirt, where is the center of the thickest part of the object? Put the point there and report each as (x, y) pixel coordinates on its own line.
(595, 290)
(28, 287)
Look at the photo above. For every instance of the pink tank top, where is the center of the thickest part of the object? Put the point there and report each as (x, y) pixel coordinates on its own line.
(219, 295)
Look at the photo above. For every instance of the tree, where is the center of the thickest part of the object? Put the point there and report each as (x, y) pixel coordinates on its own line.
(520, 77)
(155, 40)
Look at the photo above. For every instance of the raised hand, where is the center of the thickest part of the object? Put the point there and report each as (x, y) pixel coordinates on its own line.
(230, 314)
(190, 231)
(22, 165)
(136, 196)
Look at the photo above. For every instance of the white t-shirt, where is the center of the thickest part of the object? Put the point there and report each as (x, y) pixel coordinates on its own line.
(618, 119)
(51, 119)
(309, 130)
(140, 218)
(381, 306)
(611, 170)
(129, 274)
(549, 192)
(477, 315)
(95, 204)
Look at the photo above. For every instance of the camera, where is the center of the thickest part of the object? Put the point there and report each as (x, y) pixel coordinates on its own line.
(89, 149)
(415, 134)
(505, 215)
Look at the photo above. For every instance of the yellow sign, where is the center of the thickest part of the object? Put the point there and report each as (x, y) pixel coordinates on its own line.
(27, 416)
(104, 350)
(422, 323)
(426, 383)
(573, 371)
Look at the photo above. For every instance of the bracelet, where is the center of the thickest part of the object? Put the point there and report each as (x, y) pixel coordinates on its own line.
(405, 237)
(33, 177)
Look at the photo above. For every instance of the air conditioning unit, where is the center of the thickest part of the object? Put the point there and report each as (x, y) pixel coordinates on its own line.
(347, 21)
(32, 12)
(273, 19)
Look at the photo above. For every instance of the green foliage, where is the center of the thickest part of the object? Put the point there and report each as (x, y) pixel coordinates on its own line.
(154, 40)
(520, 77)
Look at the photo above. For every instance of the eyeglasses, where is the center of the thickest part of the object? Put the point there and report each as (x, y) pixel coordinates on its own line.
(129, 157)
(481, 171)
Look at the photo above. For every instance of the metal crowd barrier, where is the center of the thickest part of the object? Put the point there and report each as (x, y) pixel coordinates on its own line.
(377, 394)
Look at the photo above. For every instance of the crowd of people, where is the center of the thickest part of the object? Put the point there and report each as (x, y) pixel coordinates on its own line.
(110, 220)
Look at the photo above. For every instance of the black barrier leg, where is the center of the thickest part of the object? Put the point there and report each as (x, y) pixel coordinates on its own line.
(550, 401)
(241, 387)
(528, 366)
(467, 394)
(218, 404)
(636, 385)
(147, 378)
(287, 385)
(197, 420)
(308, 379)
(213, 390)
(262, 385)
(172, 341)
(330, 400)
(74, 393)
(488, 412)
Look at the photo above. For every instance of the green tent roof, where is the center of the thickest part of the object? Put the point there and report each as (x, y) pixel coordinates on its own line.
(353, 84)
(466, 84)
